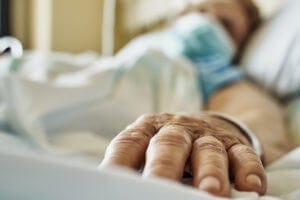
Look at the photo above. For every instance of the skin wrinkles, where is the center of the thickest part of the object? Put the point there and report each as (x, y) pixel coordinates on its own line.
(166, 143)
(209, 159)
(243, 156)
(214, 149)
(176, 136)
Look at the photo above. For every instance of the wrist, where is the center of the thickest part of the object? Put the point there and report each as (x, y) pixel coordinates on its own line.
(240, 130)
(230, 129)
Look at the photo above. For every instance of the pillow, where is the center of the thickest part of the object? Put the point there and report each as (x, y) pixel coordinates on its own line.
(268, 7)
(272, 56)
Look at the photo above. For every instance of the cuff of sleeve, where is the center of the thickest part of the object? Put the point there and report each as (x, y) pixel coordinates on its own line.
(245, 130)
(214, 79)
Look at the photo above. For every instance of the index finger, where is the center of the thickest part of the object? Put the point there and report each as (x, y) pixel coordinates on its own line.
(168, 152)
(128, 148)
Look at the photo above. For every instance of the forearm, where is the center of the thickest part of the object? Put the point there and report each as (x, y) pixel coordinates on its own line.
(259, 111)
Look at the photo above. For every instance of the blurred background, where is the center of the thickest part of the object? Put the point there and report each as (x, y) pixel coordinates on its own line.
(103, 26)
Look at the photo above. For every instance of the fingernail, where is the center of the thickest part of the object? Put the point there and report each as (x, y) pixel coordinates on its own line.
(210, 184)
(253, 180)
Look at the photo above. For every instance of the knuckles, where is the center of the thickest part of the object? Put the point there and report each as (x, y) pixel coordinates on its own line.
(241, 149)
(172, 136)
(147, 117)
(209, 143)
(175, 124)
(180, 130)
(183, 134)
(131, 138)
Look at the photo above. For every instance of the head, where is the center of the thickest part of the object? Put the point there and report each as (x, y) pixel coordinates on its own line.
(238, 17)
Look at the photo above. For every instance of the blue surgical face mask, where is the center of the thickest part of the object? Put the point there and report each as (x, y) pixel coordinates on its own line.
(202, 40)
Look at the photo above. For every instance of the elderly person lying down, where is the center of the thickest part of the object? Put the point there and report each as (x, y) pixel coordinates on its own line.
(216, 149)
(220, 128)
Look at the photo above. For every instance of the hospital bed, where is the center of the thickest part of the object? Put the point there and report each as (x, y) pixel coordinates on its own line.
(44, 172)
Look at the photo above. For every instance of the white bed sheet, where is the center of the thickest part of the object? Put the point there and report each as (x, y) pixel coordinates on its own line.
(38, 174)
(26, 175)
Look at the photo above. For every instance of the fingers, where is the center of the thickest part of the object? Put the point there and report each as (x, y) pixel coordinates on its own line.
(168, 152)
(210, 166)
(247, 169)
(128, 148)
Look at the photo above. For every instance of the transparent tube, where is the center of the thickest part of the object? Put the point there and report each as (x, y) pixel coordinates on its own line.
(15, 46)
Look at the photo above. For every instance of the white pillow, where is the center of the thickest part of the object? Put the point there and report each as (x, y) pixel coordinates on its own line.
(272, 57)
(268, 7)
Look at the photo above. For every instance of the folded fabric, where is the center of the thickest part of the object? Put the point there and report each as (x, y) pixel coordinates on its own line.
(293, 120)
(202, 41)
(272, 57)
(64, 102)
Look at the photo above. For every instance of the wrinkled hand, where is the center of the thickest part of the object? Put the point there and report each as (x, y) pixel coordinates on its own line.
(214, 149)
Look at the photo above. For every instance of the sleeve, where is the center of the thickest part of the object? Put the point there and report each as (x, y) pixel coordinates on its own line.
(214, 78)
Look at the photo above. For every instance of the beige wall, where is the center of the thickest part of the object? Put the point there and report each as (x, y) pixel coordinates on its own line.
(61, 25)
(76, 25)
(20, 20)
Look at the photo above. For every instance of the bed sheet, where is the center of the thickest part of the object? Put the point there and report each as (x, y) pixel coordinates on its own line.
(31, 168)
(27, 175)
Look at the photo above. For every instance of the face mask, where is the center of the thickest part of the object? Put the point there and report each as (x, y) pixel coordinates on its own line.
(202, 40)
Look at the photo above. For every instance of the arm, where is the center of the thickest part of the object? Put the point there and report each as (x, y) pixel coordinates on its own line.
(259, 111)
(215, 150)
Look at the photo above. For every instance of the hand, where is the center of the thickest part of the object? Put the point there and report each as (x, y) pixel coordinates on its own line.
(214, 149)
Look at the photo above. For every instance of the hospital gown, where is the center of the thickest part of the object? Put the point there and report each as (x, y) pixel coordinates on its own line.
(56, 101)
